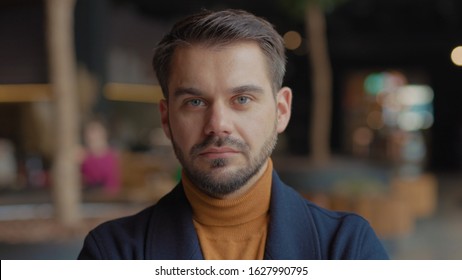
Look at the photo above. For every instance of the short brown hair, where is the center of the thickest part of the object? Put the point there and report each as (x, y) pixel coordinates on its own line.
(221, 28)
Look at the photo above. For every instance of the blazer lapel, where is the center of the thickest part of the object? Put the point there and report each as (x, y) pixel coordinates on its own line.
(171, 235)
(291, 233)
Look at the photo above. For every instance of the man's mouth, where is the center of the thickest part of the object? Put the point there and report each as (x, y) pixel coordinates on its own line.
(218, 152)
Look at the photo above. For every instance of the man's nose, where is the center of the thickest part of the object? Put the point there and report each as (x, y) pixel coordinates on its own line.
(218, 120)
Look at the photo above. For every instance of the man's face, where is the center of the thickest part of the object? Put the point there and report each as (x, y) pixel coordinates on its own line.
(222, 115)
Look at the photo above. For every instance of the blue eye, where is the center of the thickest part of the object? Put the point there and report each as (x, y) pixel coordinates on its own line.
(195, 102)
(242, 99)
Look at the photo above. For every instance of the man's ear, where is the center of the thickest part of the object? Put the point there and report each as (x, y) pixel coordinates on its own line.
(163, 108)
(284, 107)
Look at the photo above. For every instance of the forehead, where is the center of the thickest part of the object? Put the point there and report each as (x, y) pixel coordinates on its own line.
(239, 62)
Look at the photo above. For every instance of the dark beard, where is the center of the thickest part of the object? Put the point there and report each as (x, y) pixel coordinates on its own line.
(232, 181)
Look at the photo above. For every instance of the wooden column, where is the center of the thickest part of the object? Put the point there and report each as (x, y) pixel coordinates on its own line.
(62, 74)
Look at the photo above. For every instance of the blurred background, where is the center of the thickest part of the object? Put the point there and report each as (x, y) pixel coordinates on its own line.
(376, 126)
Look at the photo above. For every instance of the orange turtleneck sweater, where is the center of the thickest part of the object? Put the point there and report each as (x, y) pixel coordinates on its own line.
(234, 228)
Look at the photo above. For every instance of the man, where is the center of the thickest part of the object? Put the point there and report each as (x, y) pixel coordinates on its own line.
(221, 74)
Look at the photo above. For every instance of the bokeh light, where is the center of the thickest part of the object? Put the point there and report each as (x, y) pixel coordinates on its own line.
(456, 56)
(292, 40)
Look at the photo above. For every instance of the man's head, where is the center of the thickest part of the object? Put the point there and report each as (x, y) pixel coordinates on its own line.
(221, 28)
(223, 107)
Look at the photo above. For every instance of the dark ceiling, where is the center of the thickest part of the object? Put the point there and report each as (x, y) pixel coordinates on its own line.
(360, 29)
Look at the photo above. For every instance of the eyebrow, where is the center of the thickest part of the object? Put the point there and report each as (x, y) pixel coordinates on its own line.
(187, 90)
(247, 88)
(236, 90)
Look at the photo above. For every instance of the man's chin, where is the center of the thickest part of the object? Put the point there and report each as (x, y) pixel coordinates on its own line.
(219, 175)
(218, 164)
(217, 172)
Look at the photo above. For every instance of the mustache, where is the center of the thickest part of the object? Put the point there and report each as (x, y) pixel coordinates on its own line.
(217, 141)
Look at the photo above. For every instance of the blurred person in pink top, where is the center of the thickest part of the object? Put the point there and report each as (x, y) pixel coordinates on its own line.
(100, 163)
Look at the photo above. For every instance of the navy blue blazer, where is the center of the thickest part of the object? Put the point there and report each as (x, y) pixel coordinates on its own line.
(298, 229)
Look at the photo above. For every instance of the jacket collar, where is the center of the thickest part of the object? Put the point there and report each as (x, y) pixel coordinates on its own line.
(171, 235)
(291, 233)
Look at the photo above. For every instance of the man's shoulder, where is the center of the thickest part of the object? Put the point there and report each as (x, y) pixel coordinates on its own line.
(141, 219)
(324, 216)
(136, 220)
(126, 237)
(330, 223)
(336, 234)
(332, 215)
